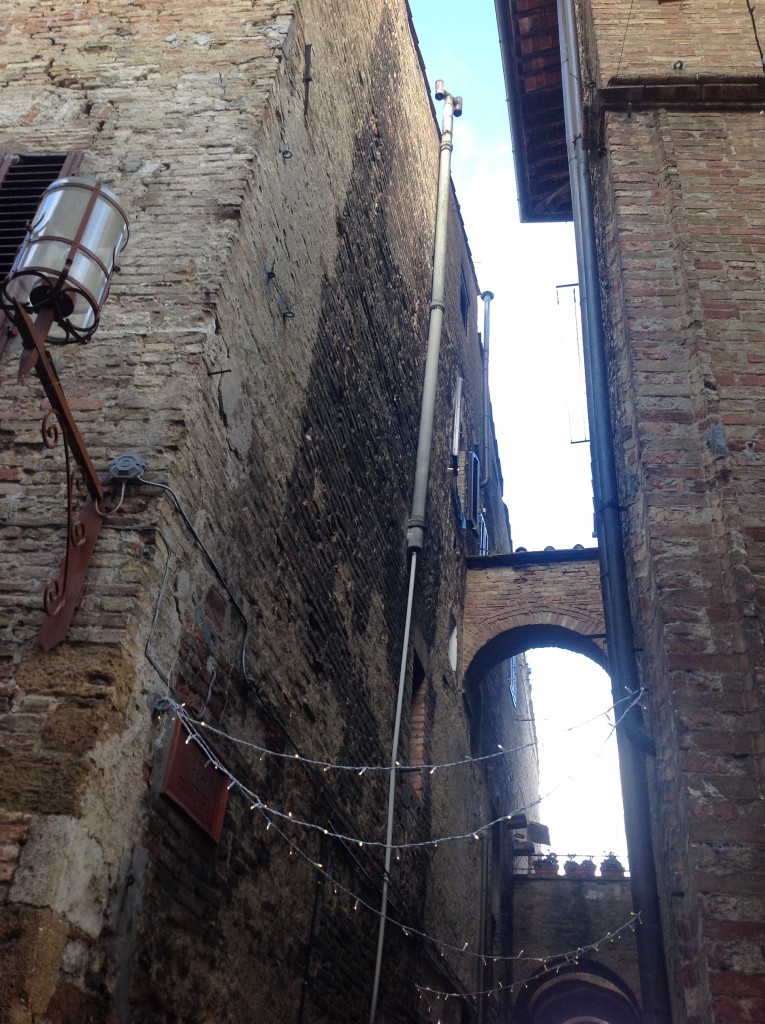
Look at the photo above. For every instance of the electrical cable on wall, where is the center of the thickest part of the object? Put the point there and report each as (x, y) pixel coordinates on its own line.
(751, 8)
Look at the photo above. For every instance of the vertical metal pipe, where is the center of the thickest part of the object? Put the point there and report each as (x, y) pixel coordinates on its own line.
(416, 532)
(487, 297)
(622, 665)
(392, 792)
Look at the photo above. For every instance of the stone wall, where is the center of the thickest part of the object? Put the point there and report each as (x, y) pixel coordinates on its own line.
(262, 349)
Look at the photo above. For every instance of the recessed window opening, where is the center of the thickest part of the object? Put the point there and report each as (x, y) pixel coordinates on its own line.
(418, 728)
(464, 299)
(453, 643)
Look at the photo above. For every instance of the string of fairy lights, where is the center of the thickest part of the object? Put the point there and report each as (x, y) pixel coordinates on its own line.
(181, 709)
(544, 964)
(195, 728)
(274, 818)
(548, 963)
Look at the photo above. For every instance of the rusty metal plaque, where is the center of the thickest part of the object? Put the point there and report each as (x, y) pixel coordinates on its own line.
(194, 785)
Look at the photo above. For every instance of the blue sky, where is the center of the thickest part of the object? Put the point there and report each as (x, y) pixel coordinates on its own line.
(535, 394)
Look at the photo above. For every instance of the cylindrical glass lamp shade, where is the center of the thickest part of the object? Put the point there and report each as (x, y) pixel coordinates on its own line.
(67, 258)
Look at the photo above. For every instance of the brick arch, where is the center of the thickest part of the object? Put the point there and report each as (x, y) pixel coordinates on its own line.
(532, 599)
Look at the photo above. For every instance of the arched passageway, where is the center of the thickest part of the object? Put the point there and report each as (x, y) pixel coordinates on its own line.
(587, 993)
(534, 599)
(514, 604)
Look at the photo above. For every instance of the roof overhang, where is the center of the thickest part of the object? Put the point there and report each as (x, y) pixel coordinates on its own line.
(530, 45)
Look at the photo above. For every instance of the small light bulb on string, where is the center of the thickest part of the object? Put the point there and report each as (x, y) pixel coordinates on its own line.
(356, 905)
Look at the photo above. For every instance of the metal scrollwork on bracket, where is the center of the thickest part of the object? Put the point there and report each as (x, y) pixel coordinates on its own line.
(50, 429)
(56, 589)
(61, 595)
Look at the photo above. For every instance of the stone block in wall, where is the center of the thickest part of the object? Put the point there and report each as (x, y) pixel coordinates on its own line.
(33, 942)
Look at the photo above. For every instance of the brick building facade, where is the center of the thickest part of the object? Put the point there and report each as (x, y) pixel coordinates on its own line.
(262, 351)
(672, 140)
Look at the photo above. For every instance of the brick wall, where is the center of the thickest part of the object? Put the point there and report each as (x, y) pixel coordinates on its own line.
(553, 598)
(679, 205)
(289, 441)
(645, 40)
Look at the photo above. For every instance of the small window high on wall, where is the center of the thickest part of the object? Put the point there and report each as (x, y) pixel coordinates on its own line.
(464, 299)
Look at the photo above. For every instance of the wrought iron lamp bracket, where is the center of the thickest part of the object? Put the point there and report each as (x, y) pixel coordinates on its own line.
(62, 593)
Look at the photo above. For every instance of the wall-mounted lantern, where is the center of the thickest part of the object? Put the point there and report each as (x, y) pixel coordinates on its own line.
(54, 293)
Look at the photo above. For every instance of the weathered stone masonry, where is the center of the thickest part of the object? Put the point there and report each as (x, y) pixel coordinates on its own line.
(262, 351)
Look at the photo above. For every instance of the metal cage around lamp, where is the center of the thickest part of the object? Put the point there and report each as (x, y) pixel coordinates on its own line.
(64, 266)
(54, 292)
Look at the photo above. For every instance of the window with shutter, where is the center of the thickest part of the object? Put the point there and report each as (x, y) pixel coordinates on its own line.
(23, 179)
(473, 490)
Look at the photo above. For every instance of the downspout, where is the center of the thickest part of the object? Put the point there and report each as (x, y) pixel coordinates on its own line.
(633, 741)
(487, 297)
(416, 531)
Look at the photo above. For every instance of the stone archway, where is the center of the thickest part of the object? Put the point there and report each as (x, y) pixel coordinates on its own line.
(532, 599)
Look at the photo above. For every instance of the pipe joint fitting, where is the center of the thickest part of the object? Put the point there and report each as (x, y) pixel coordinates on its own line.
(415, 537)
